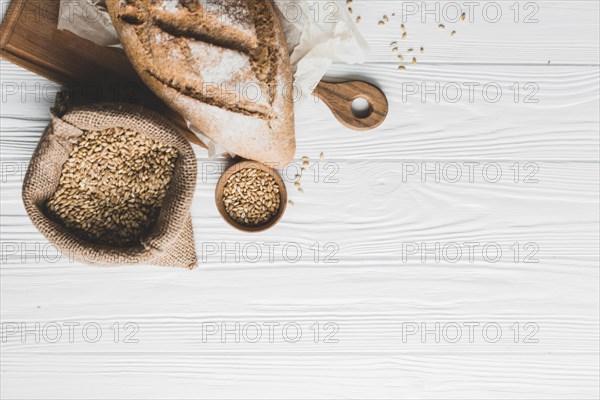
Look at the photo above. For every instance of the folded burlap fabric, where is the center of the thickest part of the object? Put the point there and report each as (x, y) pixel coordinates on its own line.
(169, 241)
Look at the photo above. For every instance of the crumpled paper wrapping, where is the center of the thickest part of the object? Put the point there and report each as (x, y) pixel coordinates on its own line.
(88, 19)
(318, 33)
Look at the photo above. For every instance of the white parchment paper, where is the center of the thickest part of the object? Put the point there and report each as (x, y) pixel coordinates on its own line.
(317, 32)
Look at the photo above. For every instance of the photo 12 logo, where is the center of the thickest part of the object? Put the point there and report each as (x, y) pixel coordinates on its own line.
(469, 171)
(269, 252)
(325, 172)
(14, 171)
(316, 11)
(70, 332)
(469, 332)
(41, 252)
(471, 252)
(270, 332)
(471, 92)
(490, 12)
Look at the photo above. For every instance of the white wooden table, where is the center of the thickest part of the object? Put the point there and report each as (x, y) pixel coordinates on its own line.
(388, 312)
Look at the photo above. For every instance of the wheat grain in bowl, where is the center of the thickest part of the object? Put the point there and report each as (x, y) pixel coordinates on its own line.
(251, 196)
(112, 186)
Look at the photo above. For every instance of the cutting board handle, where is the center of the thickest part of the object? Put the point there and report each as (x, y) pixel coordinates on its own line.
(339, 97)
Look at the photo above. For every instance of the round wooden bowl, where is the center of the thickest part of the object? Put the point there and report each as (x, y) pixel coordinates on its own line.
(221, 186)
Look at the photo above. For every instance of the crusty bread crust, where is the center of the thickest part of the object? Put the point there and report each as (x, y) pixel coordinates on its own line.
(222, 64)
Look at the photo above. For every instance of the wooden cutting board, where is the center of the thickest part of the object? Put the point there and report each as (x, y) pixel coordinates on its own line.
(30, 38)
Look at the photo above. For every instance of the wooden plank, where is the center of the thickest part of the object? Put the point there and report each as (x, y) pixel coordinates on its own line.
(369, 220)
(191, 376)
(550, 129)
(563, 33)
(498, 32)
(556, 32)
(395, 203)
(369, 212)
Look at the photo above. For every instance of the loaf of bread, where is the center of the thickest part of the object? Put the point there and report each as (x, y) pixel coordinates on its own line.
(222, 64)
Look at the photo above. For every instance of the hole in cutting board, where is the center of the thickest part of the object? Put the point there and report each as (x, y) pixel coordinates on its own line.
(361, 108)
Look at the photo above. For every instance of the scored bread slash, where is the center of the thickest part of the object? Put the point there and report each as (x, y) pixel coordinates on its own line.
(196, 55)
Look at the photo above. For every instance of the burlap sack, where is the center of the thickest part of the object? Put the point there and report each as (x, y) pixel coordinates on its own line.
(170, 242)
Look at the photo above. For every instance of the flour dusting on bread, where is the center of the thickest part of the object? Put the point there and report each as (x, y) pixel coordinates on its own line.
(223, 65)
